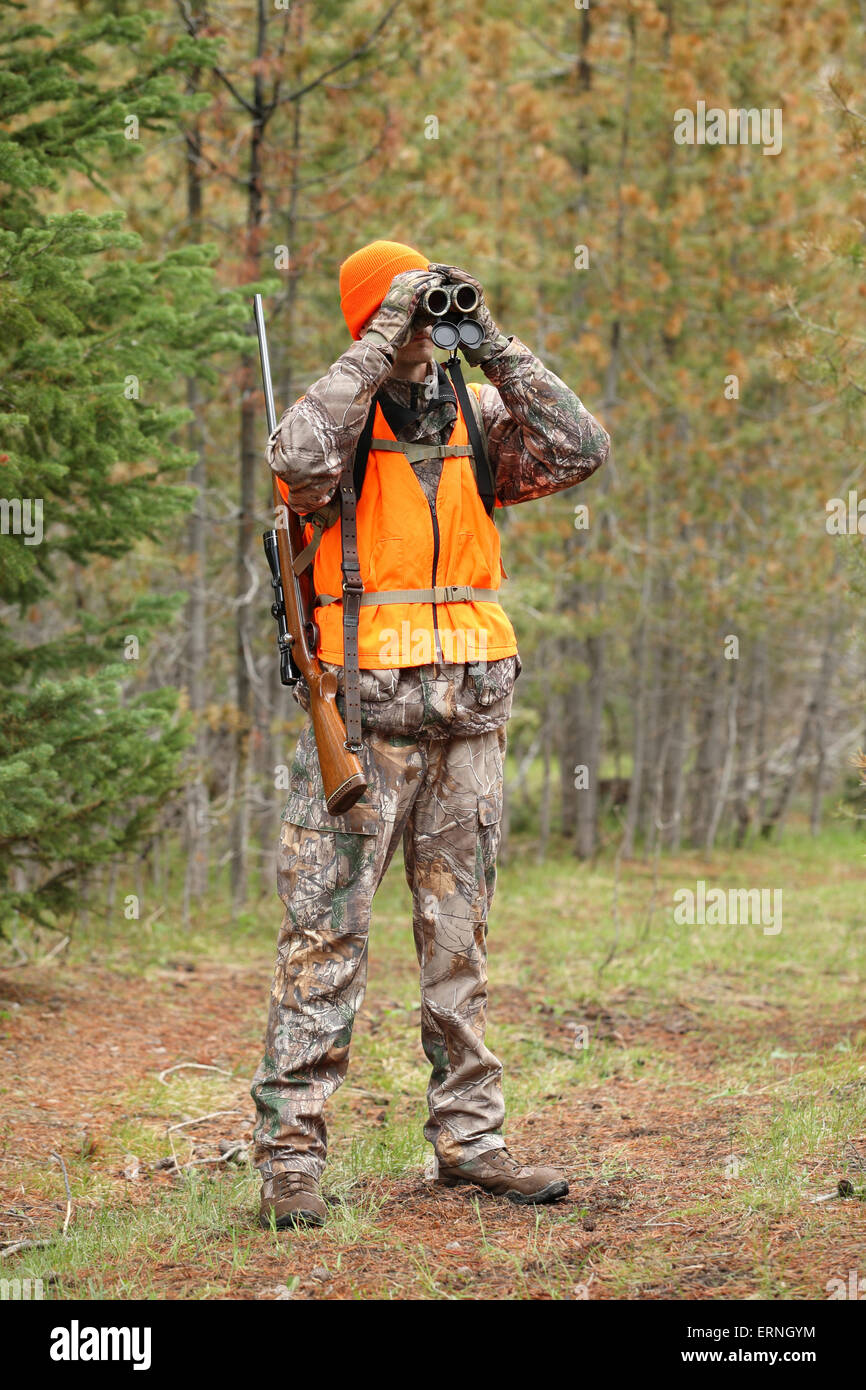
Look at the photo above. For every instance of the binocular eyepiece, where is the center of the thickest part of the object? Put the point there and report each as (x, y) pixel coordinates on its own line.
(450, 306)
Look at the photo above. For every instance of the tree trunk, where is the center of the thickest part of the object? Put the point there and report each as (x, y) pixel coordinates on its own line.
(546, 791)
(197, 831)
(728, 760)
(642, 663)
(761, 730)
(197, 835)
(674, 776)
(707, 758)
(632, 809)
(744, 775)
(251, 436)
(818, 783)
(814, 711)
(586, 830)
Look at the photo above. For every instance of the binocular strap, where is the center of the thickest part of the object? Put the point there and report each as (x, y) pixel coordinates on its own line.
(483, 472)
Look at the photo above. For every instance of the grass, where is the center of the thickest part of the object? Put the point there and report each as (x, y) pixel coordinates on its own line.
(722, 1090)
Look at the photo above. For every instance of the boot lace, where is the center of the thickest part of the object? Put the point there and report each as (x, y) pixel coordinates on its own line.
(503, 1159)
(287, 1184)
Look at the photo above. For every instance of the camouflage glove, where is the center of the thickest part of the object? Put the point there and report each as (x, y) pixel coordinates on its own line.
(494, 341)
(392, 322)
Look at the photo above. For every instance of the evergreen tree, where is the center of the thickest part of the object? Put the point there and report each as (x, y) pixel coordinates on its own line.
(94, 343)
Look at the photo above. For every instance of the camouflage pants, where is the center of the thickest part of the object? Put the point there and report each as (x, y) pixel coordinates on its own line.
(444, 798)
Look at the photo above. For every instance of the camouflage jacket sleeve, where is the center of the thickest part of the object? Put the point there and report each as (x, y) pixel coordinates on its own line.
(540, 436)
(317, 434)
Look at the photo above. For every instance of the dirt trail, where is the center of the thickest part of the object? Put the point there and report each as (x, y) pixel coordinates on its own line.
(639, 1156)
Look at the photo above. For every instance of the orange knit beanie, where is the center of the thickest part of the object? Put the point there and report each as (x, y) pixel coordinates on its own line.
(366, 276)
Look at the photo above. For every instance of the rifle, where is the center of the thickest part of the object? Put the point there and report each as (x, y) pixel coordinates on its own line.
(297, 635)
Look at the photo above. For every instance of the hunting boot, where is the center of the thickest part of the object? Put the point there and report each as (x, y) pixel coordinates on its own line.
(294, 1200)
(497, 1172)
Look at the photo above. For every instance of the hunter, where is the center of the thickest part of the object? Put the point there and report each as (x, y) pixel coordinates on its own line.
(436, 659)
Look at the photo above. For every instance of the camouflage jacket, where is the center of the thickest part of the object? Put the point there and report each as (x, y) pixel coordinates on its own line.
(540, 438)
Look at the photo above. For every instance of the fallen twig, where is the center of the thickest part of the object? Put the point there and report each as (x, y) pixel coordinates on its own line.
(55, 950)
(16, 1216)
(68, 1195)
(22, 1245)
(735, 1095)
(16, 1245)
(234, 1151)
(200, 1119)
(223, 1158)
(199, 1066)
(24, 959)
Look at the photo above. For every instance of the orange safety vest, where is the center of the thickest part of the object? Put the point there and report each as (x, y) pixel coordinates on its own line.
(405, 544)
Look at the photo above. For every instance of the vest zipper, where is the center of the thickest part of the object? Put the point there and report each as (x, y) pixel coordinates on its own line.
(435, 520)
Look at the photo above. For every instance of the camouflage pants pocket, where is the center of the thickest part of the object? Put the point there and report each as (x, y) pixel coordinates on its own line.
(306, 875)
(490, 807)
(323, 858)
(489, 837)
(320, 870)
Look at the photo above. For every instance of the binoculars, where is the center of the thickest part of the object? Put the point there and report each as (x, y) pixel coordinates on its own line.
(451, 308)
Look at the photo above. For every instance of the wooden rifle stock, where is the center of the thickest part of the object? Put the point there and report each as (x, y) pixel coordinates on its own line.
(297, 638)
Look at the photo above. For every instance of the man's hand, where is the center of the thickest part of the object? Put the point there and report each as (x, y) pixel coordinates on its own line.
(392, 321)
(493, 340)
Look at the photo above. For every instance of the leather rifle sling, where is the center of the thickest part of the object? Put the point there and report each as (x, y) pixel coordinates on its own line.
(353, 586)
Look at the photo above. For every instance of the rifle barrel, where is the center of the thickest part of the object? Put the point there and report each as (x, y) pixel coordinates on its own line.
(281, 511)
(264, 357)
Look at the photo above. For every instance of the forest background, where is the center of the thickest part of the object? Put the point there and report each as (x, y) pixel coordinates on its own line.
(693, 664)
